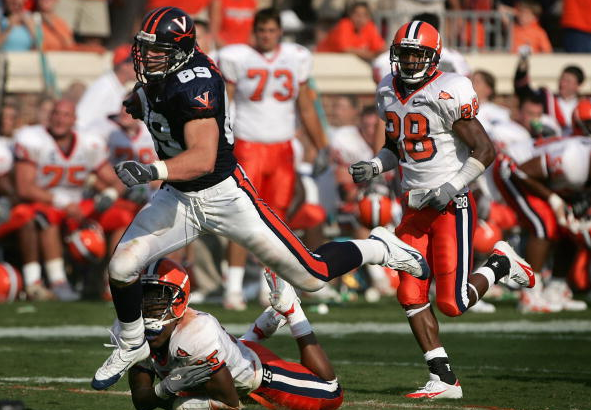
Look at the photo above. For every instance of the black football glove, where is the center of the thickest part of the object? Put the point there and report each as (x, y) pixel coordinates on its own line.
(363, 171)
(105, 199)
(133, 104)
(438, 198)
(134, 173)
(183, 378)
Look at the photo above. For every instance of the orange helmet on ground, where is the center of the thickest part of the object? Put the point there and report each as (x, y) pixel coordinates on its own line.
(485, 237)
(582, 118)
(375, 210)
(11, 282)
(166, 288)
(88, 243)
(415, 50)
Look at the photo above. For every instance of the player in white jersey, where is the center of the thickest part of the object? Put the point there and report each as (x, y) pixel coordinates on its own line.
(201, 366)
(52, 167)
(541, 190)
(441, 148)
(268, 83)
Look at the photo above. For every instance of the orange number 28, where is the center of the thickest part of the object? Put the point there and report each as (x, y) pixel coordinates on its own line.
(417, 143)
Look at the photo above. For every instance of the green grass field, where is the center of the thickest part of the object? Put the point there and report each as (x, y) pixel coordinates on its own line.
(504, 361)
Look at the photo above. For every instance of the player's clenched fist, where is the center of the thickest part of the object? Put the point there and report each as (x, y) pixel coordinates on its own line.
(363, 171)
(134, 173)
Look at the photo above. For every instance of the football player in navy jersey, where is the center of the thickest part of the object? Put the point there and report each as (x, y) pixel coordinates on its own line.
(181, 97)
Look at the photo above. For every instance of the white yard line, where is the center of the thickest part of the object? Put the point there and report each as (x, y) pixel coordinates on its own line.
(331, 328)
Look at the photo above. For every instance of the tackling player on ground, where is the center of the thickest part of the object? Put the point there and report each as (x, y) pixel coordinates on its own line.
(201, 366)
(432, 133)
(181, 98)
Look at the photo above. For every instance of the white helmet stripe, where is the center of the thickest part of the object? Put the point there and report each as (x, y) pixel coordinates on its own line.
(375, 210)
(77, 241)
(413, 29)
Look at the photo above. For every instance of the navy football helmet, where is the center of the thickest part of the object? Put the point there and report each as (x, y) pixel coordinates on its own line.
(165, 42)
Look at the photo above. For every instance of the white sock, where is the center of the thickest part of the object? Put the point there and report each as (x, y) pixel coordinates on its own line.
(56, 273)
(487, 273)
(437, 352)
(234, 278)
(372, 251)
(132, 333)
(298, 322)
(31, 273)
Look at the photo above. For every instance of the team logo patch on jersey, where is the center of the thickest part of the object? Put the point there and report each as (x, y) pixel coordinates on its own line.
(444, 95)
(181, 353)
(204, 99)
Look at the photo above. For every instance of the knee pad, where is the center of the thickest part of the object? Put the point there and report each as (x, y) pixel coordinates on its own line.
(126, 263)
(448, 308)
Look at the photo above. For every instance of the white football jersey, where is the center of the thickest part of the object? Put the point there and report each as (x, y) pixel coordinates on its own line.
(566, 163)
(61, 173)
(419, 126)
(490, 115)
(267, 86)
(123, 147)
(199, 338)
(6, 156)
(514, 140)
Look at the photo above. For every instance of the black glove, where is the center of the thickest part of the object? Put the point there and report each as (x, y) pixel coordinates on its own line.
(322, 162)
(438, 198)
(363, 171)
(5, 209)
(133, 104)
(133, 173)
(183, 378)
(104, 199)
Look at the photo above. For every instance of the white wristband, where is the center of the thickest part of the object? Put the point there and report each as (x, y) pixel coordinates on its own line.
(60, 201)
(555, 202)
(110, 193)
(161, 169)
(471, 170)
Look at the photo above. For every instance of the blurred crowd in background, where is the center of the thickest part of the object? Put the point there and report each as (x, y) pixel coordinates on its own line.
(60, 240)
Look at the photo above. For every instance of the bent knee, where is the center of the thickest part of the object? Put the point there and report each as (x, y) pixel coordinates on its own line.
(124, 269)
(449, 308)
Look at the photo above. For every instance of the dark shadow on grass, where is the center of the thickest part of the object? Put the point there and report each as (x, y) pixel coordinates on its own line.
(399, 391)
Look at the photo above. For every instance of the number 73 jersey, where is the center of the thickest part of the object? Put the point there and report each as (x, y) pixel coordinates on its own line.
(419, 126)
(267, 86)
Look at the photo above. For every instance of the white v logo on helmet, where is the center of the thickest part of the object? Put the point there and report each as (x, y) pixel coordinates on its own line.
(181, 22)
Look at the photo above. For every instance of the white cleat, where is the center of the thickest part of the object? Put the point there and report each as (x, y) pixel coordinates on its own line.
(401, 256)
(531, 301)
(483, 307)
(436, 389)
(520, 271)
(558, 292)
(121, 360)
(283, 296)
(234, 301)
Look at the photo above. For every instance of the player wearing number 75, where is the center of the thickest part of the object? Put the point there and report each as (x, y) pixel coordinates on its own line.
(433, 134)
(181, 98)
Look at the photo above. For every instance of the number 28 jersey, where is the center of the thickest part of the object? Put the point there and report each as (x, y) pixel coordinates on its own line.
(267, 86)
(419, 127)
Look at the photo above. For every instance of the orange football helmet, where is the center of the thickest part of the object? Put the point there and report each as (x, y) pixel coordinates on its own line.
(582, 118)
(486, 235)
(375, 210)
(88, 243)
(415, 51)
(11, 282)
(166, 288)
